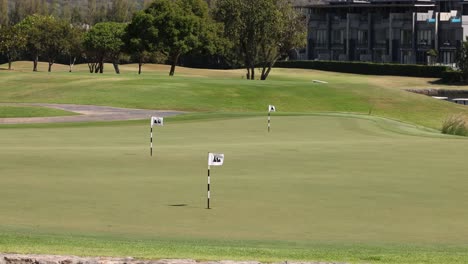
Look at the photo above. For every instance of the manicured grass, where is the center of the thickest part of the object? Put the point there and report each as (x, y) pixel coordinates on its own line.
(344, 188)
(30, 111)
(291, 90)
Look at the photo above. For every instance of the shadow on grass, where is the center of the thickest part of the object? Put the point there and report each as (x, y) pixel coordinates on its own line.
(441, 82)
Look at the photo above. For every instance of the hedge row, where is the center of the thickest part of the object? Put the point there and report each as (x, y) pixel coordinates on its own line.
(454, 77)
(368, 68)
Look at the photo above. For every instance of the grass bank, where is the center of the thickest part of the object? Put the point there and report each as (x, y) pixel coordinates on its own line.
(291, 90)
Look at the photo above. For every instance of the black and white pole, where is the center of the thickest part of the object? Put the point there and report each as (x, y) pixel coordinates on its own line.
(159, 121)
(214, 159)
(271, 108)
(151, 141)
(269, 121)
(208, 191)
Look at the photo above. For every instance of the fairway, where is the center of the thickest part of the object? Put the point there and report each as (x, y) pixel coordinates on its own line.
(326, 180)
(201, 90)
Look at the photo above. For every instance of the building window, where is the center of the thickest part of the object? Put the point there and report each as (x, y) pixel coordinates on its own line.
(338, 36)
(321, 38)
(406, 37)
(381, 36)
(448, 57)
(447, 37)
(407, 57)
(425, 37)
(362, 37)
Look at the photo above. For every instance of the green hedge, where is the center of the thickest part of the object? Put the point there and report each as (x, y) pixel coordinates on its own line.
(368, 68)
(452, 77)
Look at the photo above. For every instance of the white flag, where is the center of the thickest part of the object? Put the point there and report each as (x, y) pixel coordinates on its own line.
(158, 121)
(271, 108)
(215, 159)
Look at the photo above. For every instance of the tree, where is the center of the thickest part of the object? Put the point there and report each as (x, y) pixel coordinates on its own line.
(182, 25)
(121, 10)
(56, 35)
(104, 41)
(91, 12)
(287, 30)
(45, 37)
(31, 27)
(74, 45)
(11, 43)
(141, 37)
(3, 12)
(462, 59)
(261, 31)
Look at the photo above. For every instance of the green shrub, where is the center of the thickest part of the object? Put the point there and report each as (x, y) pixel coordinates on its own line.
(368, 68)
(455, 125)
(452, 76)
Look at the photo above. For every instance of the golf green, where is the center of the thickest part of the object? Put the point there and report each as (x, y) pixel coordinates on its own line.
(314, 179)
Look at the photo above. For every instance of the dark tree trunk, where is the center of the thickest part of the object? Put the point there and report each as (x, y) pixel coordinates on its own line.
(51, 62)
(9, 65)
(139, 67)
(175, 58)
(36, 59)
(248, 73)
(116, 67)
(267, 69)
(72, 63)
(101, 65)
(252, 73)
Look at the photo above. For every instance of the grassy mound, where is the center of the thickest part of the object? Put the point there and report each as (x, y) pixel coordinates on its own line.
(291, 90)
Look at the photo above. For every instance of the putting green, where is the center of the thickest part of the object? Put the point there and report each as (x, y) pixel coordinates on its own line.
(320, 179)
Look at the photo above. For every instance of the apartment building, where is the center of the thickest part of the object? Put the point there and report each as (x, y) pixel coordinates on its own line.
(401, 31)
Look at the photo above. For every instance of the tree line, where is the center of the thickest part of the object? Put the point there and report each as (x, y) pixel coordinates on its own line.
(243, 33)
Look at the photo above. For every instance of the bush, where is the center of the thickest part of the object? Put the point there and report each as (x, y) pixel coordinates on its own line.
(452, 76)
(368, 68)
(455, 125)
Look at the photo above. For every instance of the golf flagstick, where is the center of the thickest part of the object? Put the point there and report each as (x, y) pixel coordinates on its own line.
(271, 108)
(159, 121)
(214, 159)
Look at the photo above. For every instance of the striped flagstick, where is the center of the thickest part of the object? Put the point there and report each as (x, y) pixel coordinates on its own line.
(208, 201)
(159, 121)
(269, 121)
(271, 108)
(214, 159)
(151, 141)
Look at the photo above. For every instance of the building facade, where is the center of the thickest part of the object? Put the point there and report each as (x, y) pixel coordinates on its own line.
(403, 31)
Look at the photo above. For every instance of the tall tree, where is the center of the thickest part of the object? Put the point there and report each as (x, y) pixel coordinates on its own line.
(182, 25)
(12, 41)
(91, 12)
(66, 13)
(104, 41)
(286, 31)
(46, 37)
(141, 37)
(31, 26)
(3, 12)
(462, 59)
(121, 10)
(262, 31)
(74, 45)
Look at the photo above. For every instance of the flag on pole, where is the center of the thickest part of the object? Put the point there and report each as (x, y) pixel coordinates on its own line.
(271, 108)
(215, 159)
(158, 121)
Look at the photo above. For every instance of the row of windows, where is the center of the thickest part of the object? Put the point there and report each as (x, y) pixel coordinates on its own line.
(424, 37)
